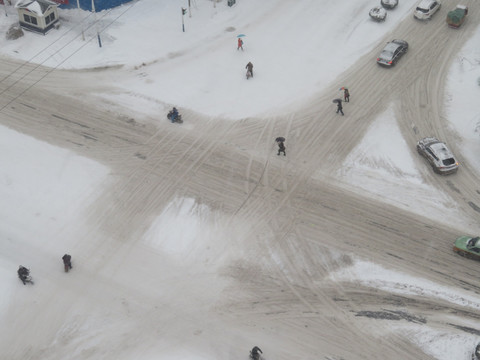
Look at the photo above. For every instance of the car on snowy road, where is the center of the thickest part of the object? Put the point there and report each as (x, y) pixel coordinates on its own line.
(438, 155)
(425, 9)
(389, 4)
(378, 13)
(468, 246)
(457, 16)
(392, 52)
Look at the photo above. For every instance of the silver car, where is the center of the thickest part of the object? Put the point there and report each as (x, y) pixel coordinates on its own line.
(392, 52)
(438, 155)
(389, 4)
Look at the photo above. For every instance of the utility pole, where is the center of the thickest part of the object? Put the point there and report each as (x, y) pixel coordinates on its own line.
(78, 6)
(189, 9)
(96, 24)
(5, 6)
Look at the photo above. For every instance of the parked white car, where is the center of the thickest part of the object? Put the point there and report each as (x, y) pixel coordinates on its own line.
(426, 8)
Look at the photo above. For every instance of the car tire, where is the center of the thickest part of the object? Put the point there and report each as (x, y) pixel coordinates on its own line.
(461, 253)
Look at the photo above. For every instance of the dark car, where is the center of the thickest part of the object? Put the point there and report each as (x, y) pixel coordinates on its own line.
(392, 52)
(470, 248)
(389, 4)
(438, 155)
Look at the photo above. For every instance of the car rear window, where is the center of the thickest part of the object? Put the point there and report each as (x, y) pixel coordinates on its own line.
(441, 151)
(432, 153)
(447, 162)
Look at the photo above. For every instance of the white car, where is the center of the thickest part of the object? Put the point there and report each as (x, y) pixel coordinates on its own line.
(438, 155)
(426, 8)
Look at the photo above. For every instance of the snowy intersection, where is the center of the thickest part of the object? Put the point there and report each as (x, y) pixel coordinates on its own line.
(48, 191)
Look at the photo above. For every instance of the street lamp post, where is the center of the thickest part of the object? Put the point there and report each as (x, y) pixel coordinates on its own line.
(183, 13)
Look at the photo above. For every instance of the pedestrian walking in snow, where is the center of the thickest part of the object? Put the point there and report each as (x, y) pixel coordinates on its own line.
(255, 353)
(24, 274)
(346, 95)
(249, 68)
(67, 262)
(340, 107)
(240, 44)
(281, 146)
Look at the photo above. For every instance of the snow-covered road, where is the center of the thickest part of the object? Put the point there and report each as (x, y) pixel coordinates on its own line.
(197, 241)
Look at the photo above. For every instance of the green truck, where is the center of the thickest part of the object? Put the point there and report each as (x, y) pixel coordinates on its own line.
(468, 246)
(457, 16)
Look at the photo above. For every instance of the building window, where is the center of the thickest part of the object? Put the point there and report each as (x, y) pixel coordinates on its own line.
(50, 18)
(30, 19)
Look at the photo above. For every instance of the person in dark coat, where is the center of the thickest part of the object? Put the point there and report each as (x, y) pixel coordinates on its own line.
(339, 107)
(255, 353)
(281, 148)
(23, 273)
(174, 114)
(346, 95)
(249, 67)
(67, 260)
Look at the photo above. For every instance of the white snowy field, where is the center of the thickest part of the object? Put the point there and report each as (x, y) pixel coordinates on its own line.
(45, 190)
(293, 53)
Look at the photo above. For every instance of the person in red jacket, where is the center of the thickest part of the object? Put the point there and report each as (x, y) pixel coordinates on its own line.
(240, 44)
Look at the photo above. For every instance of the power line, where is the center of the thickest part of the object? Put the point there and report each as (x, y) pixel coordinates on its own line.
(49, 57)
(45, 48)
